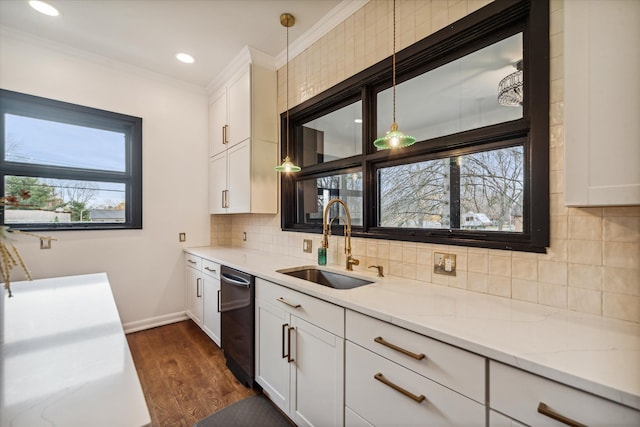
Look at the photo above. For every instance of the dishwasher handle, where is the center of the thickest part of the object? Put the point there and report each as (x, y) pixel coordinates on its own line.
(236, 281)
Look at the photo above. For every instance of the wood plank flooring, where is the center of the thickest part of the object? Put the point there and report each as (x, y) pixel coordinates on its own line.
(183, 374)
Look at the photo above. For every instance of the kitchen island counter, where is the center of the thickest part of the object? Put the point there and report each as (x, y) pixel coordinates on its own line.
(65, 360)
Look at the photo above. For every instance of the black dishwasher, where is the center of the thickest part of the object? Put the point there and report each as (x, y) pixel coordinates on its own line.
(237, 302)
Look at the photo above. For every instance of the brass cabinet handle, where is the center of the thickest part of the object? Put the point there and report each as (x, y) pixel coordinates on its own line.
(224, 134)
(190, 261)
(545, 410)
(290, 304)
(213, 270)
(289, 358)
(382, 341)
(385, 381)
(198, 293)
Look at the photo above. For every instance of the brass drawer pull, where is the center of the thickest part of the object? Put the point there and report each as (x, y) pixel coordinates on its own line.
(290, 304)
(224, 134)
(382, 341)
(385, 381)
(213, 270)
(545, 410)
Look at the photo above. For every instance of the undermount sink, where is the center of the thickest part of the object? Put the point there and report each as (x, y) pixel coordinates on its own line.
(325, 278)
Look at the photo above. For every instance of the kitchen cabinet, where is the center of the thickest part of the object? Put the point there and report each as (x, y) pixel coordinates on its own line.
(601, 102)
(211, 300)
(304, 373)
(243, 144)
(496, 419)
(193, 280)
(203, 294)
(520, 395)
(397, 377)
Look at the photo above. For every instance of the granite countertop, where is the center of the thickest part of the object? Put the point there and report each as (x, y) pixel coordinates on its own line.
(591, 353)
(64, 358)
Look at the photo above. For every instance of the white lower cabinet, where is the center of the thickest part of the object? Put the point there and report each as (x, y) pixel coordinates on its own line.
(202, 296)
(211, 300)
(300, 354)
(496, 419)
(537, 401)
(389, 378)
(193, 296)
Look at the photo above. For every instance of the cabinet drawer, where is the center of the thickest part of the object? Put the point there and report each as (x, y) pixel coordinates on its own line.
(452, 367)
(192, 261)
(211, 268)
(517, 394)
(321, 313)
(381, 405)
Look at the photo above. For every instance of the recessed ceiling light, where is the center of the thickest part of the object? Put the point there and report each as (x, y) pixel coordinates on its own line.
(43, 7)
(185, 57)
(357, 121)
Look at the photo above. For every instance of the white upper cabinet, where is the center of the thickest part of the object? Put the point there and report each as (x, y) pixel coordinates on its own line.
(602, 102)
(243, 131)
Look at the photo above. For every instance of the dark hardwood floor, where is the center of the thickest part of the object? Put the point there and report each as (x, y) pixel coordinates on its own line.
(183, 374)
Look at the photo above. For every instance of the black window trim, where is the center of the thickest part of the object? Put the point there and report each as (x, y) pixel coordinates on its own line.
(492, 23)
(34, 106)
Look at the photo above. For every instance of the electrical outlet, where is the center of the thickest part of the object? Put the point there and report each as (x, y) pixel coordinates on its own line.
(444, 263)
(182, 237)
(307, 245)
(45, 243)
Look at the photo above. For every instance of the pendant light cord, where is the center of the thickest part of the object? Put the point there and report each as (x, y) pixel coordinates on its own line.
(287, 92)
(393, 61)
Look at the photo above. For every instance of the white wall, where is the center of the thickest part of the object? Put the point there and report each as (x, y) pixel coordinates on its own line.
(145, 267)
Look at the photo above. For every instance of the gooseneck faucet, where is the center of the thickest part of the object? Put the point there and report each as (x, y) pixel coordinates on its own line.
(326, 232)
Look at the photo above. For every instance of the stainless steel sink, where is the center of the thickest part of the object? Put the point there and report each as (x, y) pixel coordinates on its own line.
(325, 278)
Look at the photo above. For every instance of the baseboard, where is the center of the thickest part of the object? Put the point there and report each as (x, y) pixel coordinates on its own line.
(153, 322)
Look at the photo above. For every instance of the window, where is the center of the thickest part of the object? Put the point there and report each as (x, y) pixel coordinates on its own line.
(82, 167)
(478, 175)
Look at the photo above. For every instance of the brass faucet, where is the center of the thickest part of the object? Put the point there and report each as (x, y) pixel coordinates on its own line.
(326, 232)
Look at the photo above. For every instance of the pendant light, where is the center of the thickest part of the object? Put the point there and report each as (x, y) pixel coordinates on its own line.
(287, 20)
(510, 89)
(394, 138)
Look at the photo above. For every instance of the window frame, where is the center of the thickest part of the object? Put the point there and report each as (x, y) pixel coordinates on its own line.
(492, 23)
(48, 109)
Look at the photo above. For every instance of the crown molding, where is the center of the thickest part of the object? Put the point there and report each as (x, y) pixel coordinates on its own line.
(337, 15)
(248, 55)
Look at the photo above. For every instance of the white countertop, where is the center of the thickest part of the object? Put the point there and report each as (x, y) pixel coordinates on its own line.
(591, 353)
(65, 360)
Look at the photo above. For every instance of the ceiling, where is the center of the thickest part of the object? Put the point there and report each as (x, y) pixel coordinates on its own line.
(149, 33)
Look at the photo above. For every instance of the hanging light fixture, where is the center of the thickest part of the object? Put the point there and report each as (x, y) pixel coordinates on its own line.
(394, 138)
(287, 20)
(510, 91)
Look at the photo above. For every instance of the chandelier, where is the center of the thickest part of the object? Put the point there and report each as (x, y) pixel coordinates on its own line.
(510, 88)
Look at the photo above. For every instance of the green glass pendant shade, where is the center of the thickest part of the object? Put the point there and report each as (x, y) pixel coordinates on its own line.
(394, 139)
(287, 166)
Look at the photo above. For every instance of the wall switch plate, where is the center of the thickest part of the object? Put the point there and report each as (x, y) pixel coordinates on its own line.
(444, 263)
(182, 237)
(307, 245)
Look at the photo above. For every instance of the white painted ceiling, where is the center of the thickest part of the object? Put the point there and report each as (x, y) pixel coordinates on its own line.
(149, 33)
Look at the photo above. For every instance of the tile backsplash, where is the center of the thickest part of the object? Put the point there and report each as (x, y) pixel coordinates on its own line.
(593, 262)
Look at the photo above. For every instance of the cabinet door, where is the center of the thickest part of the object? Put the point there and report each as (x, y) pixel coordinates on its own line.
(373, 386)
(217, 123)
(498, 420)
(217, 183)
(211, 314)
(194, 295)
(239, 91)
(239, 178)
(318, 377)
(272, 370)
